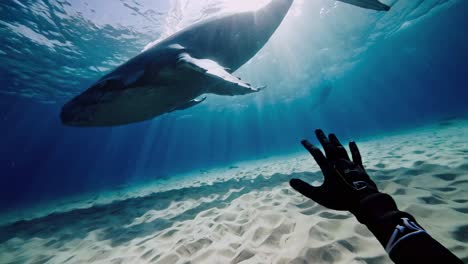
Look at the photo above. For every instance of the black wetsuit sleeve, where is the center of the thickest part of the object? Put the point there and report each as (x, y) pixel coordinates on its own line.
(399, 233)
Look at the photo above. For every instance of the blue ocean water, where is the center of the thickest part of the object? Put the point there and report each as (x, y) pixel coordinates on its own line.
(356, 72)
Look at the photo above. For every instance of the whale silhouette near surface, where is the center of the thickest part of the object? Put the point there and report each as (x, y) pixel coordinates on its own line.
(368, 4)
(172, 74)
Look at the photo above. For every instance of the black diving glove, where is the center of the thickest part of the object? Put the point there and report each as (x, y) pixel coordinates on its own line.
(346, 182)
(347, 187)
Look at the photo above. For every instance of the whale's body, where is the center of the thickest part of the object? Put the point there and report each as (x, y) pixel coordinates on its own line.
(172, 74)
(368, 4)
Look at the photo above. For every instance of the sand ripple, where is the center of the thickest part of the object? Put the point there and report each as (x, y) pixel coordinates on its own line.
(254, 216)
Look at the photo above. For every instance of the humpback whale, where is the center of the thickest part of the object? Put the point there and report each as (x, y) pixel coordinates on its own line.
(174, 73)
(321, 95)
(369, 4)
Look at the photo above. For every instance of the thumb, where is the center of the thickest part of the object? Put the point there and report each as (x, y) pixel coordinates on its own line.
(307, 190)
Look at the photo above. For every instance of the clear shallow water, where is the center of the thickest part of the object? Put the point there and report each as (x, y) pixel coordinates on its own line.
(352, 71)
(248, 213)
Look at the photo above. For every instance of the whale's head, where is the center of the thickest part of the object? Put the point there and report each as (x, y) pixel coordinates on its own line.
(83, 109)
(76, 114)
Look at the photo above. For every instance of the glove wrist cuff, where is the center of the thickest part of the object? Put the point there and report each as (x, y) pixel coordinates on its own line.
(372, 207)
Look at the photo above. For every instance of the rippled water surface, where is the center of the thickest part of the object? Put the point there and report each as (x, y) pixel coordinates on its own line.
(52, 49)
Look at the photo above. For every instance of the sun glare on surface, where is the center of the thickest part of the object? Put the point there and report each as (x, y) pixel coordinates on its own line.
(245, 5)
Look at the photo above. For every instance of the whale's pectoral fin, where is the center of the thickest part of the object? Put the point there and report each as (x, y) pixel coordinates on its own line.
(229, 84)
(229, 88)
(189, 104)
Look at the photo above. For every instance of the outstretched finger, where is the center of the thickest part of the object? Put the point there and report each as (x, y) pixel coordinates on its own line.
(307, 190)
(355, 154)
(316, 153)
(326, 144)
(340, 150)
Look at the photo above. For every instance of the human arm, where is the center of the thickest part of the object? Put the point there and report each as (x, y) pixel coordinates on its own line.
(348, 187)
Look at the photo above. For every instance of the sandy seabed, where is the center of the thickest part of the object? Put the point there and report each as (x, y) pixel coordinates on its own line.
(248, 213)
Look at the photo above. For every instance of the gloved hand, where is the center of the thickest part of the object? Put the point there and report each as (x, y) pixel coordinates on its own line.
(346, 182)
(347, 187)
